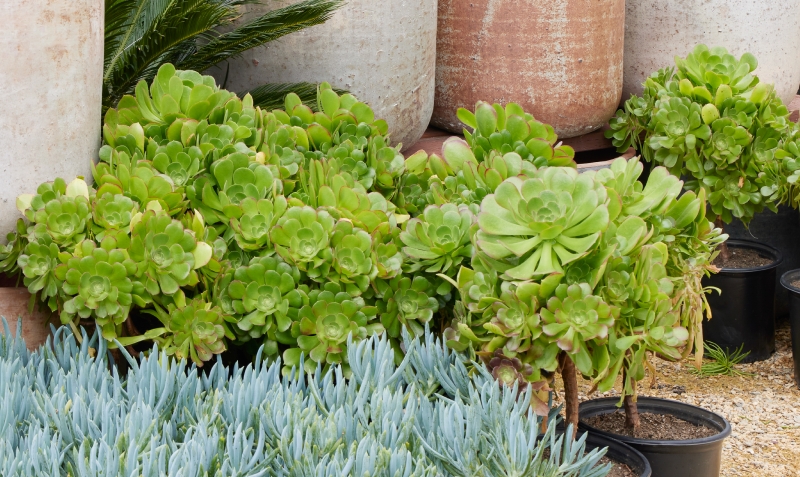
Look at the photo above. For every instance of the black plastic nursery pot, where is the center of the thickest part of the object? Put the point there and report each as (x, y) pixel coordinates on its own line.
(779, 231)
(787, 280)
(744, 312)
(687, 458)
(621, 453)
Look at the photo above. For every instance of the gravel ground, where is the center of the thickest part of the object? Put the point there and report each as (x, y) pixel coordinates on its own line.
(764, 409)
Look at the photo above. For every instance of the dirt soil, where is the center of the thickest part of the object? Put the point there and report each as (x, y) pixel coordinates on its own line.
(651, 426)
(764, 409)
(619, 470)
(742, 258)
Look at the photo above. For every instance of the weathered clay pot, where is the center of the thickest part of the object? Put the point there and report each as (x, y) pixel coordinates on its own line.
(658, 30)
(14, 304)
(51, 84)
(383, 52)
(560, 59)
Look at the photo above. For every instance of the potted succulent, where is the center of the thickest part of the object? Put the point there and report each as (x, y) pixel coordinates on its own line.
(591, 273)
(712, 121)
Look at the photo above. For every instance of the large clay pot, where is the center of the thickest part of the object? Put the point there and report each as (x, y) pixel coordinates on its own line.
(51, 84)
(560, 59)
(382, 52)
(13, 306)
(658, 30)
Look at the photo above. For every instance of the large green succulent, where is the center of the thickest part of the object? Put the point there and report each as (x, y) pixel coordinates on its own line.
(438, 240)
(166, 254)
(324, 325)
(195, 331)
(97, 284)
(535, 226)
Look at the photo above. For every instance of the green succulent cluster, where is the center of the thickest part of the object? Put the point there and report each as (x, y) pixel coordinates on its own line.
(298, 232)
(498, 129)
(595, 267)
(710, 119)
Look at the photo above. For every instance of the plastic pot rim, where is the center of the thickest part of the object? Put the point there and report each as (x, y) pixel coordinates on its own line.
(592, 443)
(702, 441)
(753, 244)
(785, 280)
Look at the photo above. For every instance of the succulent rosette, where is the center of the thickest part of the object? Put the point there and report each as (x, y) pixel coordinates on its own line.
(575, 317)
(195, 331)
(179, 163)
(302, 237)
(509, 372)
(438, 241)
(232, 179)
(406, 303)
(166, 254)
(98, 285)
(112, 212)
(534, 227)
(252, 228)
(259, 297)
(515, 322)
(324, 326)
(58, 210)
(352, 258)
(38, 262)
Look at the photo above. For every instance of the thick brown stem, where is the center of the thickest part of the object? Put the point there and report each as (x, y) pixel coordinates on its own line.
(570, 377)
(723, 247)
(631, 415)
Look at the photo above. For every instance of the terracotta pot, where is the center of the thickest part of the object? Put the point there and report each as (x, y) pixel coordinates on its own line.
(35, 326)
(382, 52)
(658, 30)
(560, 59)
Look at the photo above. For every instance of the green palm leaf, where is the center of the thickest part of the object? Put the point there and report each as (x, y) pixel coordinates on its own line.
(141, 35)
(264, 29)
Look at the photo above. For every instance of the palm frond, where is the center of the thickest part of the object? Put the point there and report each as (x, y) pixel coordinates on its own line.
(142, 35)
(167, 39)
(130, 20)
(272, 95)
(264, 29)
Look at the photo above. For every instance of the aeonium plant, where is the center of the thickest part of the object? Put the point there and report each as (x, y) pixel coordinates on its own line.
(711, 120)
(585, 273)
